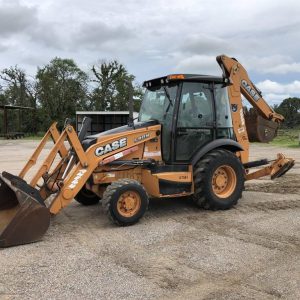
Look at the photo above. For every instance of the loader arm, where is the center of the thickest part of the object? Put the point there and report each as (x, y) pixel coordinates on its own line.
(52, 133)
(89, 160)
(265, 125)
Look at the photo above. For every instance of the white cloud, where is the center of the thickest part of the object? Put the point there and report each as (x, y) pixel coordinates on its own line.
(273, 64)
(274, 92)
(201, 43)
(284, 68)
(3, 47)
(276, 98)
(198, 64)
(16, 17)
(153, 37)
(97, 34)
(269, 86)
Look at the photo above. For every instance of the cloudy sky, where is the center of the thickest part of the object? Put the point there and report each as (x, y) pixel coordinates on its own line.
(154, 38)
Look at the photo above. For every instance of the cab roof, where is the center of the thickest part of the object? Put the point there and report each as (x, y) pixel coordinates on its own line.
(184, 77)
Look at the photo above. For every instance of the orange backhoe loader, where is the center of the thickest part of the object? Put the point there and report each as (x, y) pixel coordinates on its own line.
(191, 139)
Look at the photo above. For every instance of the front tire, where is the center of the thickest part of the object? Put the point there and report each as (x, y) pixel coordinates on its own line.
(125, 201)
(87, 197)
(218, 180)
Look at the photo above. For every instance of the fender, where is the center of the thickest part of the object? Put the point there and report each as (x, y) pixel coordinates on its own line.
(227, 144)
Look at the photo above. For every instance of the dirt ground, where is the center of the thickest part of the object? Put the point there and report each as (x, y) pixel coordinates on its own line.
(177, 251)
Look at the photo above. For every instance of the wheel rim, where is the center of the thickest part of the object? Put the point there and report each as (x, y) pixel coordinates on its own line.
(129, 203)
(224, 181)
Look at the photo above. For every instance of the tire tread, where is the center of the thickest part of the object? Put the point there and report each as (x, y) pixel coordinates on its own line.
(107, 198)
(201, 196)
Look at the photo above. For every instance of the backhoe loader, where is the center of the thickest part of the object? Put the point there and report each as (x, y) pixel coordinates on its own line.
(191, 139)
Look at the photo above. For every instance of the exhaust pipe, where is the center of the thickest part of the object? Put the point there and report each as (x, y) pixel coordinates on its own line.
(24, 218)
(86, 125)
(130, 103)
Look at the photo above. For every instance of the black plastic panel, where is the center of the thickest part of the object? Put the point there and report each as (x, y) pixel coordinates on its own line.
(167, 187)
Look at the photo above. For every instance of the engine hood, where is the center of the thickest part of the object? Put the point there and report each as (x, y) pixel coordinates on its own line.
(92, 139)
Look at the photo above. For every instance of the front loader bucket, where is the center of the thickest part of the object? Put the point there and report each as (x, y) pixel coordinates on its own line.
(24, 218)
(259, 129)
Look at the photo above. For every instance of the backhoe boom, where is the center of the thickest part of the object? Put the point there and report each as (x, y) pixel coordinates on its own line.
(240, 81)
(260, 128)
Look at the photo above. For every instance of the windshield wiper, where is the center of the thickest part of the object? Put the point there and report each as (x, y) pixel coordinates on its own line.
(167, 94)
(170, 101)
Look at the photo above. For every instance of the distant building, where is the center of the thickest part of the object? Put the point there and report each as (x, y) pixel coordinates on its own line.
(103, 120)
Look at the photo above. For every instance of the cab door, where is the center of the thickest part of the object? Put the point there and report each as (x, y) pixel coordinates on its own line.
(195, 121)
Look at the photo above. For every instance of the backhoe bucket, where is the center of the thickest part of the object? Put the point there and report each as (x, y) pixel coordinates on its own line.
(259, 129)
(24, 218)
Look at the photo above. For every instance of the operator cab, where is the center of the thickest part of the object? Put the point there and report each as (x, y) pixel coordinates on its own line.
(192, 109)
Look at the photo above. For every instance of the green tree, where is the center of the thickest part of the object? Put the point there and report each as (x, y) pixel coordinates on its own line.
(61, 90)
(14, 80)
(290, 109)
(17, 89)
(2, 102)
(2, 97)
(111, 91)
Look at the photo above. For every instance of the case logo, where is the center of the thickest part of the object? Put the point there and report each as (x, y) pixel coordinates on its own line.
(250, 90)
(111, 147)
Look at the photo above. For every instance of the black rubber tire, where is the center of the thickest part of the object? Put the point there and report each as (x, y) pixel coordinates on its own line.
(204, 196)
(111, 197)
(87, 197)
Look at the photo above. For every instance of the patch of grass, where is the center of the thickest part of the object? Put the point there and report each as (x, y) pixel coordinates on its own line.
(29, 138)
(33, 137)
(287, 138)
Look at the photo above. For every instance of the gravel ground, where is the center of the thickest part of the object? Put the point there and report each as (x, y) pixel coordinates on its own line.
(177, 251)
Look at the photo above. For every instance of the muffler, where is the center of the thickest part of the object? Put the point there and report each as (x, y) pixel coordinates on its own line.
(24, 218)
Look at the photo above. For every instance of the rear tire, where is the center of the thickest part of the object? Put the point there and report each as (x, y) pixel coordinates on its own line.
(87, 197)
(218, 180)
(125, 201)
